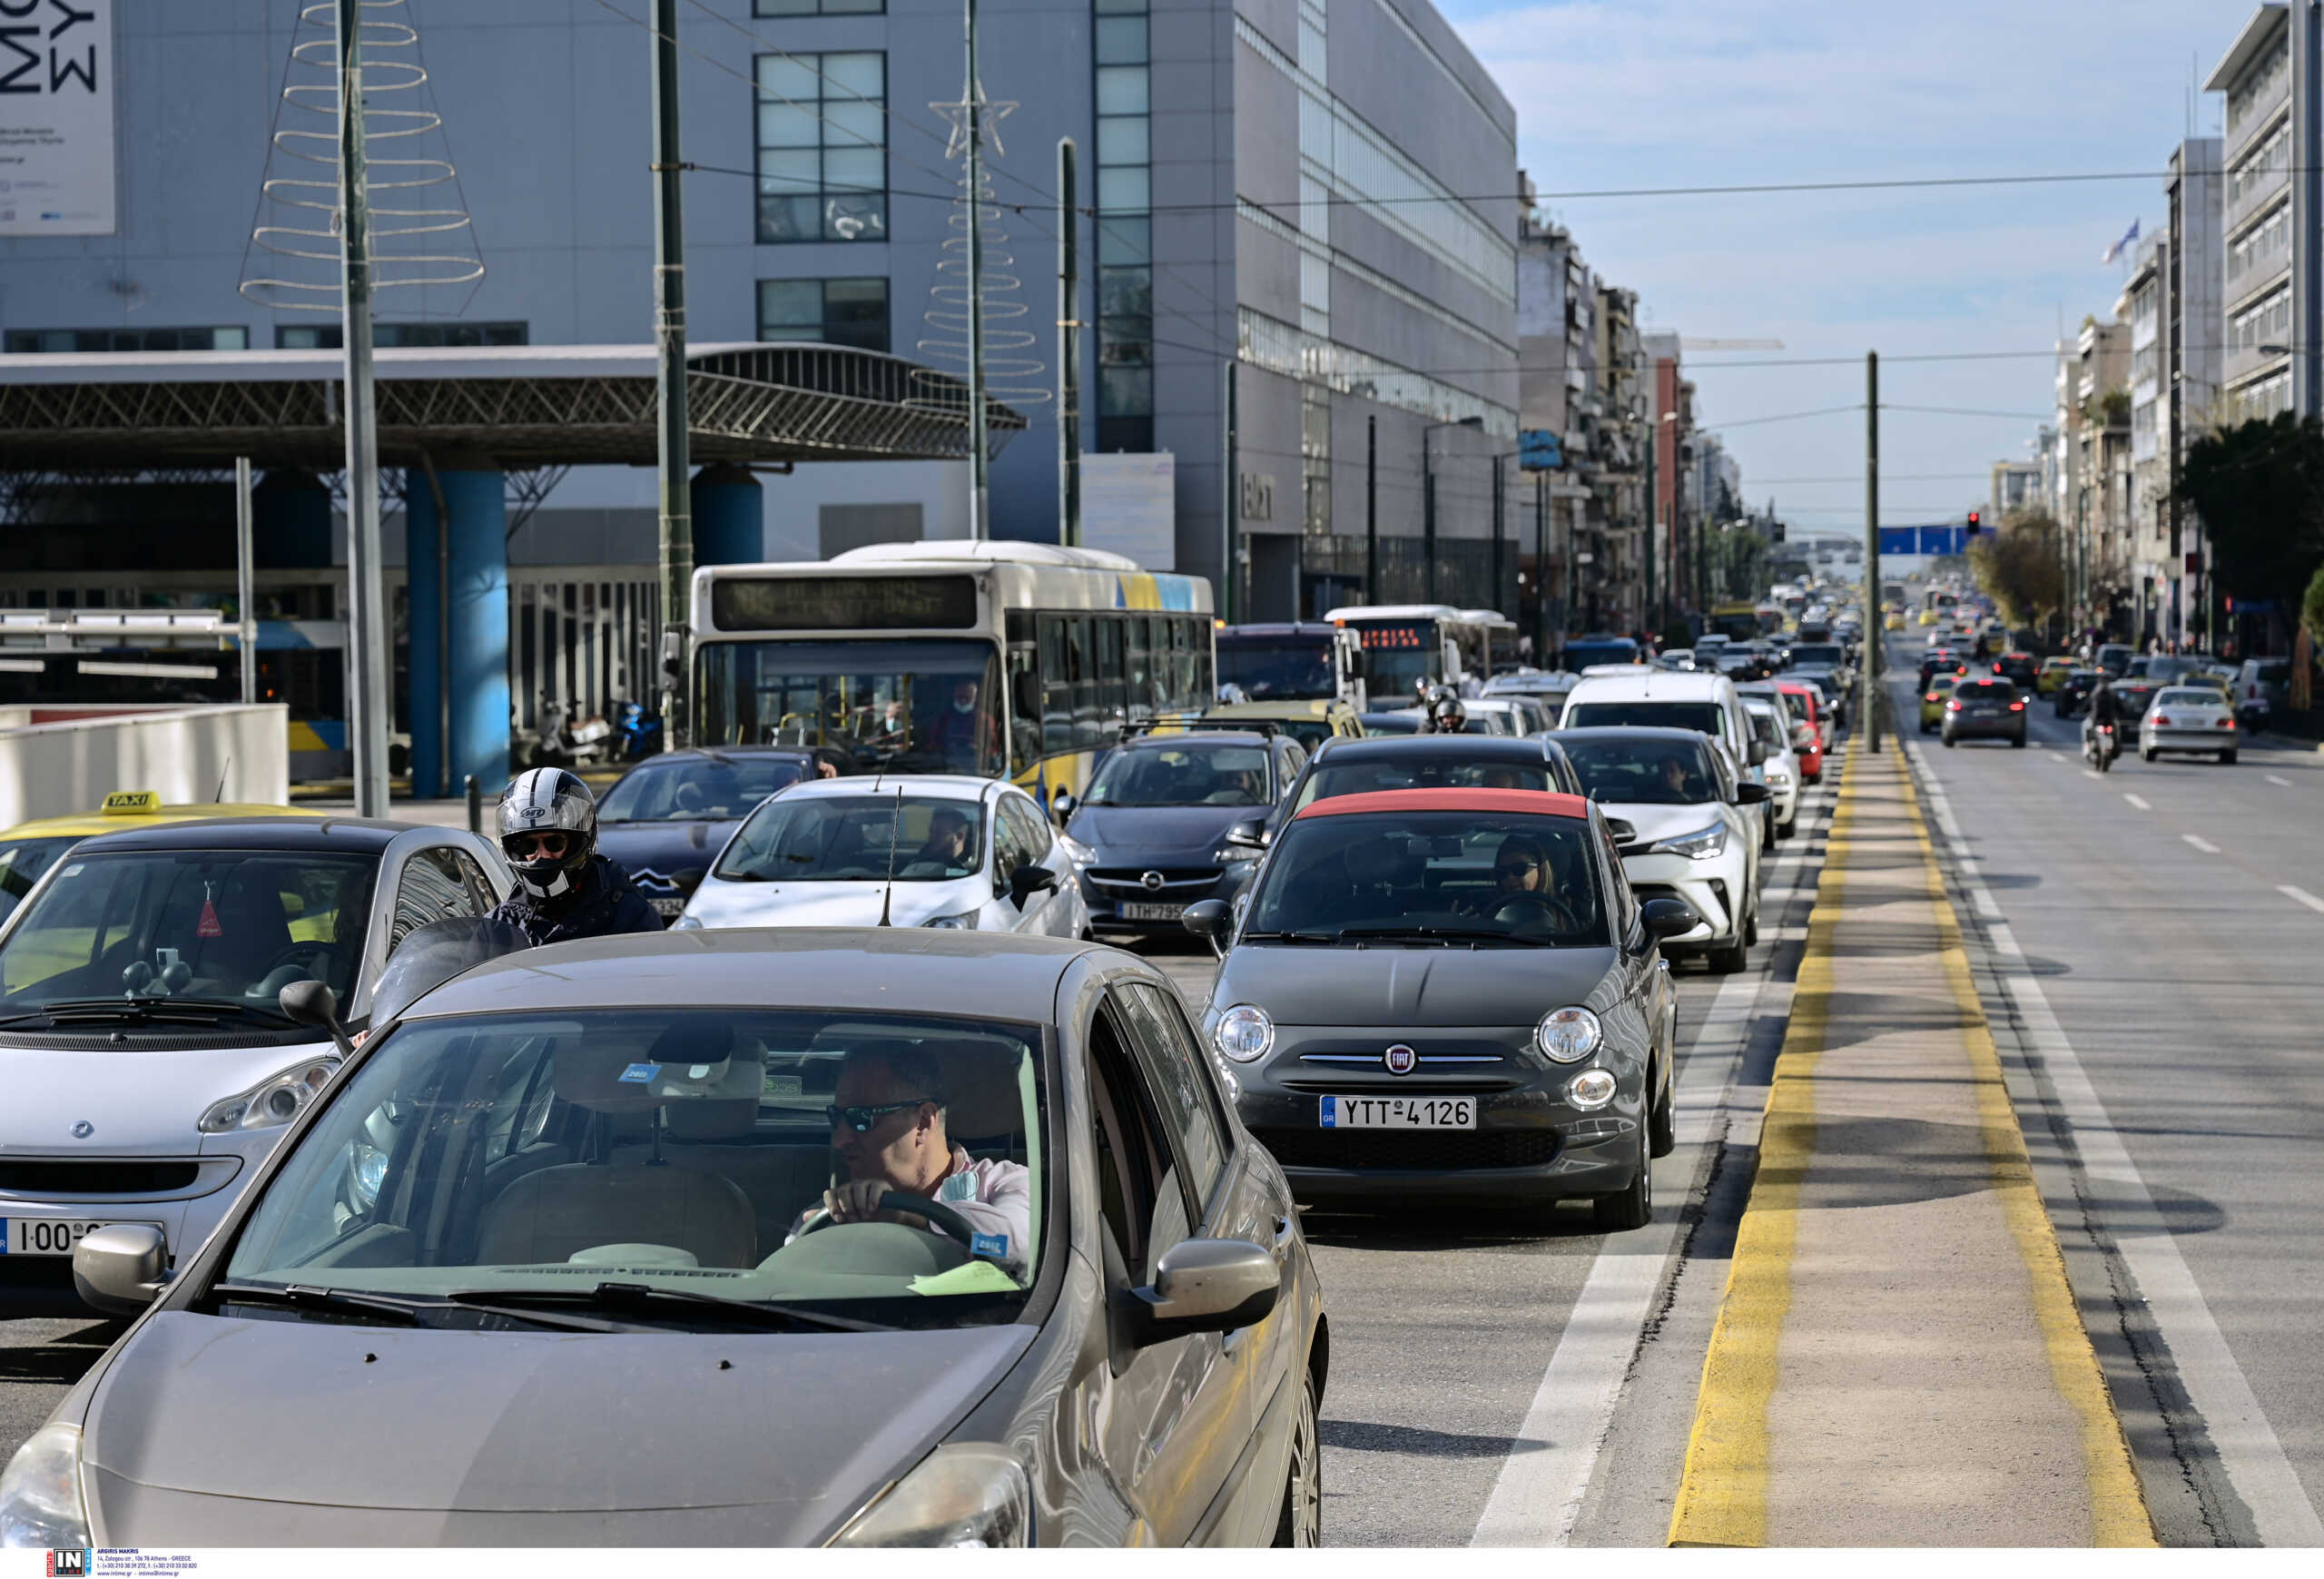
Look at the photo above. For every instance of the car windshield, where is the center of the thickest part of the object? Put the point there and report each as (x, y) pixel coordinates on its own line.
(1182, 775)
(22, 863)
(1434, 770)
(712, 789)
(223, 926)
(1703, 717)
(1454, 878)
(1816, 652)
(527, 1159)
(2187, 697)
(1770, 731)
(911, 706)
(1654, 773)
(1270, 669)
(858, 838)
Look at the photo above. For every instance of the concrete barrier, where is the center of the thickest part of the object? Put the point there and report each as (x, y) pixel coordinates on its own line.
(56, 760)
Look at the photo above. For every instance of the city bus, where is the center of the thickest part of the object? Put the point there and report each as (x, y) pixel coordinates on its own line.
(1406, 643)
(1738, 622)
(1308, 661)
(990, 658)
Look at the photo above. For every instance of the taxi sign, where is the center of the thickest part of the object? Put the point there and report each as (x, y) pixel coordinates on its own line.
(131, 803)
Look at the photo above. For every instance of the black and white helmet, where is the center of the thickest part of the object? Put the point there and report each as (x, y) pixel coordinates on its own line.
(1446, 715)
(547, 800)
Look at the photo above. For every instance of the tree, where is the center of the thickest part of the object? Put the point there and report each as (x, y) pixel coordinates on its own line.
(2020, 567)
(2259, 487)
(2311, 608)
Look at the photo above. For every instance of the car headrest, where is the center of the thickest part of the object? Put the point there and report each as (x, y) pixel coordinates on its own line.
(981, 1083)
(604, 1075)
(712, 1119)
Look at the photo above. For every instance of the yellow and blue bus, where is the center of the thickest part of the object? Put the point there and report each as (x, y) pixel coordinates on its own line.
(990, 658)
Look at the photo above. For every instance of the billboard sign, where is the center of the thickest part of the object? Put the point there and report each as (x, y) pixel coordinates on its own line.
(56, 142)
(1539, 449)
(1933, 541)
(1130, 506)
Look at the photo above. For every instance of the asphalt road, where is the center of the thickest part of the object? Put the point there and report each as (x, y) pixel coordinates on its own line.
(2153, 936)
(1495, 1377)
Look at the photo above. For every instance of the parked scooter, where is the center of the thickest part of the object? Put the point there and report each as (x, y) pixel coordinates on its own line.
(640, 732)
(567, 741)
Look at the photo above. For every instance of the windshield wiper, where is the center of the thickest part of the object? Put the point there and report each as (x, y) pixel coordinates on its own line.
(646, 1299)
(305, 1296)
(1450, 934)
(146, 1011)
(1289, 937)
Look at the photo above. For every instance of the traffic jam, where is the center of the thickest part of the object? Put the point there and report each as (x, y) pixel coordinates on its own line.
(979, 1046)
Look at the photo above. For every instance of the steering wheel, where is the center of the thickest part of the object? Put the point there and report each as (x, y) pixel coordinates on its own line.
(294, 955)
(935, 1211)
(1536, 906)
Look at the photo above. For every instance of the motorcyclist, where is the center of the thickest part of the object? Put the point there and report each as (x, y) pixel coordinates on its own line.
(2105, 708)
(564, 889)
(1446, 715)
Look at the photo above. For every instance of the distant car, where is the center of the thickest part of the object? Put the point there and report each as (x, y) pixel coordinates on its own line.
(1784, 774)
(1708, 702)
(2017, 667)
(1310, 722)
(1893, 622)
(1550, 688)
(2047, 678)
(148, 1064)
(922, 850)
(2188, 718)
(29, 849)
(1984, 708)
(1926, 616)
(1935, 691)
(571, 1202)
(2260, 687)
(1150, 835)
(1811, 725)
(2131, 700)
(2073, 690)
(1533, 1065)
(664, 821)
(2114, 656)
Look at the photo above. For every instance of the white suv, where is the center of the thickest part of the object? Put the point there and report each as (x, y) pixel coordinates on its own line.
(1706, 703)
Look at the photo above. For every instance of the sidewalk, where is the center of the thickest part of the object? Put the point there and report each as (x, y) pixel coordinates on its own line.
(1898, 1360)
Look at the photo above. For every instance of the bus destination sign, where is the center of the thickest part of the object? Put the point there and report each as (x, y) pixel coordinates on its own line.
(844, 603)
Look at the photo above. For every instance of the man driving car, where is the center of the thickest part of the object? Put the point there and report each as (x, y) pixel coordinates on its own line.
(888, 1125)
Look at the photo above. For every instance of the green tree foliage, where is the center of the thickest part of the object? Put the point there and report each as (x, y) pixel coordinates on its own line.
(1738, 563)
(2260, 488)
(2019, 566)
(2311, 608)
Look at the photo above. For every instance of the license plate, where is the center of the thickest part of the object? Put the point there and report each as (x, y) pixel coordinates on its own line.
(667, 903)
(1399, 1114)
(43, 1236)
(1152, 911)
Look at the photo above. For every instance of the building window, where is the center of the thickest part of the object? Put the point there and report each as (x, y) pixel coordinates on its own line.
(832, 311)
(402, 336)
(822, 147)
(818, 8)
(87, 340)
(1125, 228)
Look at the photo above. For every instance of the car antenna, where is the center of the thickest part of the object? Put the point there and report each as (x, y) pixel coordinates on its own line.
(895, 833)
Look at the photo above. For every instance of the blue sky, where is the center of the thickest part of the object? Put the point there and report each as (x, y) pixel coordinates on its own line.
(1650, 93)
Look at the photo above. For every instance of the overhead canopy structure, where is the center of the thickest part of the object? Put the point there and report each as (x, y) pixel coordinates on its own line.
(520, 406)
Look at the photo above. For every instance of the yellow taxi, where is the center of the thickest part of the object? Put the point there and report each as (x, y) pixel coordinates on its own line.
(1929, 616)
(1932, 700)
(1893, 622)
(29, 849)
(1309, 721)
(2052, 675)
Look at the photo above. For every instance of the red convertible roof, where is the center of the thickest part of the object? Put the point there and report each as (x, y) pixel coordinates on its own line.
(1540, 802)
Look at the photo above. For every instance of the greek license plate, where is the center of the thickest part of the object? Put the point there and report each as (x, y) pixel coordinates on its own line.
(42, 1235)
(667, 904)
(1152, 911)
(1399, 1114)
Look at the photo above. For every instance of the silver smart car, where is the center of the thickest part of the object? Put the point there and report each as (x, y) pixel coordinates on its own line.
(544, 1266)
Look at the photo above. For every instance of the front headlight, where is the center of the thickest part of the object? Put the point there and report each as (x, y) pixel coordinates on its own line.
(1079, 853)
(1243, 1033)
(40, 1492)
(967, 1493)
(688, 923)
(1700, 846)
(272, 1104)
(1567, 1035)
(964, 921)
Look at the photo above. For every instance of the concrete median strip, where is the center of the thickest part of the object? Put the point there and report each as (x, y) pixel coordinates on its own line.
(1897, 1359)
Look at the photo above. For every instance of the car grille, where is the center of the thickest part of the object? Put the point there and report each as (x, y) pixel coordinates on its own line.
(1129, 882)
(107, 1178)
(1424, 1151)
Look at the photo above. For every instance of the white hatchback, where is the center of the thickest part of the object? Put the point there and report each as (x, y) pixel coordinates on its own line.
(2191, 718)
(939, 850)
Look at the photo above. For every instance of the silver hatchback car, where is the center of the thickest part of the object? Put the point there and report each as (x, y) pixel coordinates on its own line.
(725, 1239)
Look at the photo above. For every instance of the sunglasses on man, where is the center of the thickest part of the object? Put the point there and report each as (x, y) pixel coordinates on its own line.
(550, 844)
(861, 1118)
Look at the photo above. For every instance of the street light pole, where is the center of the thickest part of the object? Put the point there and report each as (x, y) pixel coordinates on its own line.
(673, 457)
(367, 637)
(1428, 497)
(1872, 550)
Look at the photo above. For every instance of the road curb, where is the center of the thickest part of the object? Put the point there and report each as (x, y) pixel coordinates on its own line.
(1722, 1491)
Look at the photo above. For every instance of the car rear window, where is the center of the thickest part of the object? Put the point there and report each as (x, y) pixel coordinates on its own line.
(1986, 691)
(1702, 717)
(2188, 697)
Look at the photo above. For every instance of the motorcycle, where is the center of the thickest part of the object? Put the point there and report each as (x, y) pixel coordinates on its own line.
(2100, 746)
(640, 732)
(567, 741)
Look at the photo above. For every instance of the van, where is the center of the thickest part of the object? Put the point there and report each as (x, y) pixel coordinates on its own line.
(1699, 700)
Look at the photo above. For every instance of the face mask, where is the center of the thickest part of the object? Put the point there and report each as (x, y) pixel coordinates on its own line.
(965, 707)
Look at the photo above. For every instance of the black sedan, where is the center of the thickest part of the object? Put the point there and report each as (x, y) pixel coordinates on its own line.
(665, 820)
(1984, 707)
(1150, 835)
(1450, 993)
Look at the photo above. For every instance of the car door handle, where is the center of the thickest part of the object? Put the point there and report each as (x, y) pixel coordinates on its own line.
(1283, 1224)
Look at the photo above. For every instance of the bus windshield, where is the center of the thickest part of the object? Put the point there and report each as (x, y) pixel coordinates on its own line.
(906, 706)
(1277, 667)
(1397, 654)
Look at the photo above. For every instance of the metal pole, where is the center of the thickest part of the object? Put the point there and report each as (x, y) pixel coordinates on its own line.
(1068, 352)
(979, 457)
(1872, 547)
(670, 340)
(367, 644)
(1541, 570)
(1494, 603)
(1230, 505)
(1653, 513)
(1428, 516)
(245, 595)
(1372, 510)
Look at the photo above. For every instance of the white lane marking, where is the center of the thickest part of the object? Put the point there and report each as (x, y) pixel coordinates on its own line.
(2205, 846)
(2271, 778)
(2138, 801)
(2301, 894)
(2058, 758)
(1537, 1495)
(2086, 773)
(2248, 1448)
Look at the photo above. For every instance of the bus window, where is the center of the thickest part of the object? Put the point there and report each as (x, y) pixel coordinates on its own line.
(1080, 669)
(1024, 695)
(1139, 657)
(1203, 686)
(906, 706)
(1057, 687)
(1113, 680)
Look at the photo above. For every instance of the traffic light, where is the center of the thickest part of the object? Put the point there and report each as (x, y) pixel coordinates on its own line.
(1974, 528)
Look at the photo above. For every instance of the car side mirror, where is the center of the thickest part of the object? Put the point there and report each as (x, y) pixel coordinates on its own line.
(1061, 804)
(1747, 793)
(1624, 832)
(120, 1269)
(1758, 752)
(1211, 920)
(1803, 734)
(314, 1005)
(1029, 880)
(1203, 1285)
(1250, 833)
